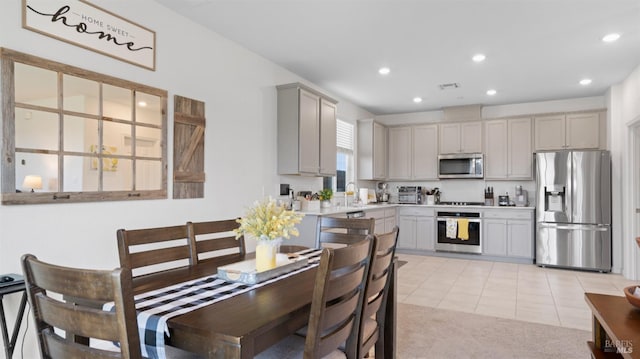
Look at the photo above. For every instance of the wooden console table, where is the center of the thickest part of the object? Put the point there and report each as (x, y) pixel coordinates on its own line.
(616, 327)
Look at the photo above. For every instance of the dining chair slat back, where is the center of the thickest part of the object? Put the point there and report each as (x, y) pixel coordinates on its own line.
(337, 299)
(343, 231)
(214, 238)
(372, 321)
(76, 314)
(150, 250)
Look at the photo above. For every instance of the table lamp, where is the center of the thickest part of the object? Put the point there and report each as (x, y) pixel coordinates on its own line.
(32, 181)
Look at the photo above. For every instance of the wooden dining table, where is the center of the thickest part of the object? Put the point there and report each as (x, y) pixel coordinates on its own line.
(248, 323)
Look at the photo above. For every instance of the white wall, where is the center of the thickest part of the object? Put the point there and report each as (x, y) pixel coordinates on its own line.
(238, 88)
(624, 121)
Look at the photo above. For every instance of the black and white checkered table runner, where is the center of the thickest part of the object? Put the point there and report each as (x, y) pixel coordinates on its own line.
(156, 307)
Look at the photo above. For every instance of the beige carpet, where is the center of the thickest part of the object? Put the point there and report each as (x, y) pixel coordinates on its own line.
(425, 332)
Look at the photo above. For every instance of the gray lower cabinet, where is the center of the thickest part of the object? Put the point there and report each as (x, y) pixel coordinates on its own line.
(508, 233)
(520, 241)
(494, 237)
(407, 235)
(385, 219)
(417, 228)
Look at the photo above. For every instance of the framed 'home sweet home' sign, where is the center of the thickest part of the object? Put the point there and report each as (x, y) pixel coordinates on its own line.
(83, 24)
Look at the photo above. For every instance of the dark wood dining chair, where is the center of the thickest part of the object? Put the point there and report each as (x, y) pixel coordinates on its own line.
(151, 250)
(214, 238)
(342, 231)
(79, 321)
(372, 320)
(336, 306)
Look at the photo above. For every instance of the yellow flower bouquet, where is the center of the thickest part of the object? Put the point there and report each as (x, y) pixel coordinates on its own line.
(268, 220)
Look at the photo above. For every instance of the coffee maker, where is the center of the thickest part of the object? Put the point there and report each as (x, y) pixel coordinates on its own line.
(382, 193)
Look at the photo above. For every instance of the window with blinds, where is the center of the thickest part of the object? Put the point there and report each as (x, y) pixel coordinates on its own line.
(345, 160)
(344, 135)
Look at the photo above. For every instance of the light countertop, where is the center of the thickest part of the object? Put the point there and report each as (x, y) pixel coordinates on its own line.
(372, 207)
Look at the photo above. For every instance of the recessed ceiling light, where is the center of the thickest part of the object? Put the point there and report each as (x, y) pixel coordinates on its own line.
(384, 71)
(611, 37)
(417, 99)
(491, 92)
(478, 57)
(142, 104)
(585, 82)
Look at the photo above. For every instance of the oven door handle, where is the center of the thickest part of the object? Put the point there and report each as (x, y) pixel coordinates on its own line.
(475, 220)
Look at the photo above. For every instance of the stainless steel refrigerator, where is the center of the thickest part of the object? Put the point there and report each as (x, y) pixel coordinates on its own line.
(573, 214)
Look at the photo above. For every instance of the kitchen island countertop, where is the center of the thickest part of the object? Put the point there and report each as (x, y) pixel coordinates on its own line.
(372, 206)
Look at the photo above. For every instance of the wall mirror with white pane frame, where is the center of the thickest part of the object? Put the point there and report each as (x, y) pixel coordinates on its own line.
(72, 135)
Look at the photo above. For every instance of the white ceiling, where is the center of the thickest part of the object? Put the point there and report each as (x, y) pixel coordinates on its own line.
(535, 50)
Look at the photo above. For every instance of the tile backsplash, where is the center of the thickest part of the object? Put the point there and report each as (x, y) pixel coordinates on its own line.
(462, 190)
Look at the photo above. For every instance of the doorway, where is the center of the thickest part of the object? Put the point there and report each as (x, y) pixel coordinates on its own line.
(635, 195)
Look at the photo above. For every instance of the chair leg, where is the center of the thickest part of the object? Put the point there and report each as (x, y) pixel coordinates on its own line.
(379, 347)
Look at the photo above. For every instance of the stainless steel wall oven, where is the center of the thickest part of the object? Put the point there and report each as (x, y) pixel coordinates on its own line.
(459, 232)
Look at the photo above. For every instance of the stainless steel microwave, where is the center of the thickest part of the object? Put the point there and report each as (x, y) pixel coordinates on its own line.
(461, 165)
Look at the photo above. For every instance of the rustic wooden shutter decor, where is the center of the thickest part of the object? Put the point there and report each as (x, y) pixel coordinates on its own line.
(188, 148)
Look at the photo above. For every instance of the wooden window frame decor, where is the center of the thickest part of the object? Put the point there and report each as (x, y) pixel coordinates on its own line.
(92, 146)
(188, 148)
(82, 24)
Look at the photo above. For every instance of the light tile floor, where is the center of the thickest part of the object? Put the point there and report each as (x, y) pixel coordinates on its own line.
(515, 291)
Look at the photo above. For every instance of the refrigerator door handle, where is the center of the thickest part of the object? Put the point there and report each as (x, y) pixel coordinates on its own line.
(587, 227)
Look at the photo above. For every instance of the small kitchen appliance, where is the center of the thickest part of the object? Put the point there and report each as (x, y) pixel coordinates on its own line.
(503, 200)
(522, 197)
(383, 192)
(410, 194)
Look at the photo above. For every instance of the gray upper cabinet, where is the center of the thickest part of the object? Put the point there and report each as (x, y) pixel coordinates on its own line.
(425, 152)
(400, 153)
(328, 114)
(508, 150)
(306, 131)
(570, 131)
(463, 137)
(520, 147)
(372, 150)
(583, 130)
(413, 152)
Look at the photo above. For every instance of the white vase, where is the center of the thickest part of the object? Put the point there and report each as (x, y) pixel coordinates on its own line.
(266, 251)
